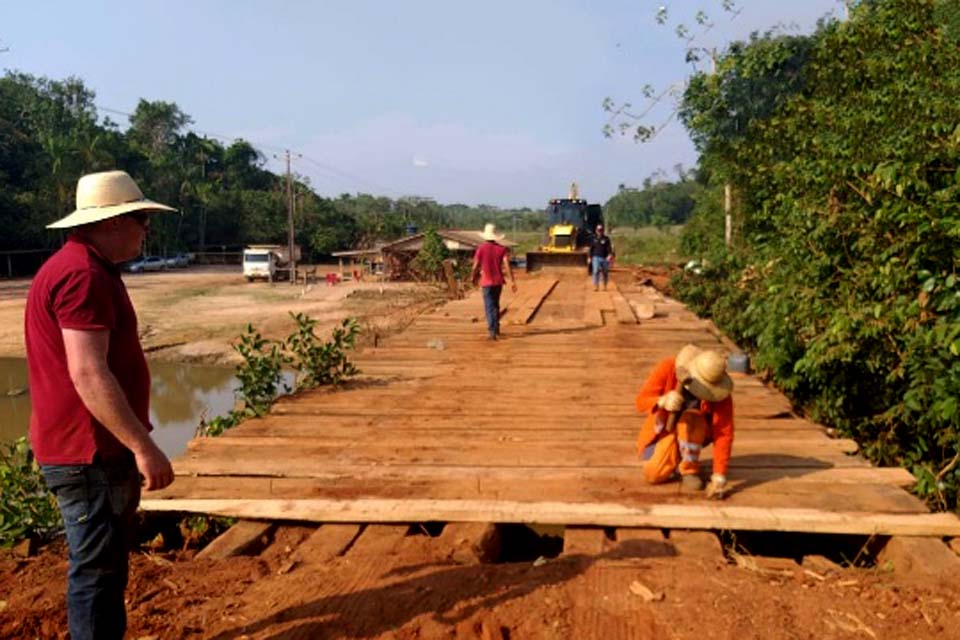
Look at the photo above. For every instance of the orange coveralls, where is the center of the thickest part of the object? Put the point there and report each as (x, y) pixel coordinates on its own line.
(664, 452)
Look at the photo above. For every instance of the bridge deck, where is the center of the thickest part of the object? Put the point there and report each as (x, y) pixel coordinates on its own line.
(540, 427)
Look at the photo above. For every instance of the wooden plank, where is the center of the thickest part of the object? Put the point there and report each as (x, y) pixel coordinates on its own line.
(702, 545)
(307, 459)
(623, 482)
(532, 302)
(298, 425)
(326, 543)
(471, 542)
(623, 488)
(376, 540)
(246, 537)
(813, 445)
(927, 559)
(585, 541)
(676, 516)
(623, 310)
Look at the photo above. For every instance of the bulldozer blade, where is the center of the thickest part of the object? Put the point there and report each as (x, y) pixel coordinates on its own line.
(549, 260)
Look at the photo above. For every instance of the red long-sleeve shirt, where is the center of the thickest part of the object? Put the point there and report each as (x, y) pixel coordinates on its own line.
(719, 415)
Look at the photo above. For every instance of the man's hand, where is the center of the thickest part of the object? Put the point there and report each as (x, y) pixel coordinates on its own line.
(717, 489)
(671, 401)
(154, 467)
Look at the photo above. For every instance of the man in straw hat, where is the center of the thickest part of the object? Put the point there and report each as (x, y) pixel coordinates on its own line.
(688, 405)
(90, 392)
(490, 261)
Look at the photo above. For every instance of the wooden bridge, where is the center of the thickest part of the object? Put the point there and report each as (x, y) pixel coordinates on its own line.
(539, 427)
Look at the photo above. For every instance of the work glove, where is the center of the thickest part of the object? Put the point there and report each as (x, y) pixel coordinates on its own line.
(671, 401)
(717, 489)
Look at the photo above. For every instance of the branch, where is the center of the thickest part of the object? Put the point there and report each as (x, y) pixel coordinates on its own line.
(949, 467)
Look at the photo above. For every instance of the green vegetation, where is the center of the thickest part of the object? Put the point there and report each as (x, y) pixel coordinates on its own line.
(647, 245)
(843, 151)
(321, 363)
(428, 264)
(644, 245)
(28, 509)
(658, 204)
(51, 133)
(260, 375)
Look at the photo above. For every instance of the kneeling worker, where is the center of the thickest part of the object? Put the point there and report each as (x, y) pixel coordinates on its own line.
(688, 402)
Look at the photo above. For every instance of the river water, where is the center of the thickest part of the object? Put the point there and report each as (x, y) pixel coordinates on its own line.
(180, 395)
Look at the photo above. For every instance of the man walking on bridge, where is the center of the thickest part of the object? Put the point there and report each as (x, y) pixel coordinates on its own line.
(490, 261)
(601, 253)
(688, 404)
(90, 395)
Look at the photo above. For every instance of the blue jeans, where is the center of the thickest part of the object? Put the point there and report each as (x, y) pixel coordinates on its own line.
(99, 503)
(491, 306)
(599, 264)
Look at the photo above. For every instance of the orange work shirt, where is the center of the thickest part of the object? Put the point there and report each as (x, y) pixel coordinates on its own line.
(719, 415)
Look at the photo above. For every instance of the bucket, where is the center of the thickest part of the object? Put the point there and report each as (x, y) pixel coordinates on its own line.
(738, 363)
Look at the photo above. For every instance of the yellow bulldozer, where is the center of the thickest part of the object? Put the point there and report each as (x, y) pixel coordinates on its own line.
(570, 228)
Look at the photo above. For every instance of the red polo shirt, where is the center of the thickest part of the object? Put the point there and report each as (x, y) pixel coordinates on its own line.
(77, 288)
(489, 256)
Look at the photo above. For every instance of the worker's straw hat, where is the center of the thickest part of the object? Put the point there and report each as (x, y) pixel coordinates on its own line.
(683, 359)
(708, 378)
(105, 195)
(490, 232)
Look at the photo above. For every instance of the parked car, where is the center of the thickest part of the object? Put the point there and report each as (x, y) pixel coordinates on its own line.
(148, 263)
(178, 260)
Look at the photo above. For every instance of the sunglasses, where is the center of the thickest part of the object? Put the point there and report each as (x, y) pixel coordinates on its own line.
(142, 218)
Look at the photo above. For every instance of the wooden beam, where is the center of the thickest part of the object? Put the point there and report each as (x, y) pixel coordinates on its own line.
(244, 538)
(923, 558)
(588, 541)
(611, 515)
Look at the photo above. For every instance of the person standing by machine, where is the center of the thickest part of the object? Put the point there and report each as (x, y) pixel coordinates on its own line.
(601, 255)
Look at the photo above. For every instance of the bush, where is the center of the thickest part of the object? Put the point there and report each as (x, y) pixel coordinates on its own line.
(261, 373)
(428, 264)
(843, 279)
(28, 509)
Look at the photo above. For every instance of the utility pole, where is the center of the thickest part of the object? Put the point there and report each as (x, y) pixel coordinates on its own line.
(290, 235)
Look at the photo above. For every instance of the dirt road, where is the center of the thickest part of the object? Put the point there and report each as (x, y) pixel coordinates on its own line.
(407, 586)
(191, 316)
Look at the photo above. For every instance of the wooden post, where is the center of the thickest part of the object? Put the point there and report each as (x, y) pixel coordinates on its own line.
(727, 206)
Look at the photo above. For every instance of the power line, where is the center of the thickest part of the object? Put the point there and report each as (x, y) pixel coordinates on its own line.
(343, 175)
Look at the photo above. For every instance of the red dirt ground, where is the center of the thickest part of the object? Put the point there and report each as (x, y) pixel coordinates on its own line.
(413, 590)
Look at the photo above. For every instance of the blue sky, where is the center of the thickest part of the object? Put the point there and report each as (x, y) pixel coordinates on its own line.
(495, 102)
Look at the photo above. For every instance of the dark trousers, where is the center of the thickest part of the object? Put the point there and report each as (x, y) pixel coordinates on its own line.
(98, 503)
(491, 306)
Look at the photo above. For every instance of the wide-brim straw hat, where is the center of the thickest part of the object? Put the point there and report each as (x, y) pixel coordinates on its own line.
(105, 195)
(490, 233)
(708, 378)
(684, 357)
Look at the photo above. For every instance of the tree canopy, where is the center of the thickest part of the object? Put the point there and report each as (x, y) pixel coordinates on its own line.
(51, 133)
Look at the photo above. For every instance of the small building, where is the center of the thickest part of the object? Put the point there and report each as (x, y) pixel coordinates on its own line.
(360, 262)
(398, 255)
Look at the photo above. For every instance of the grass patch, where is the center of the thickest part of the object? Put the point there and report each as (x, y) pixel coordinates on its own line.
(645, 245)
(648, 245)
